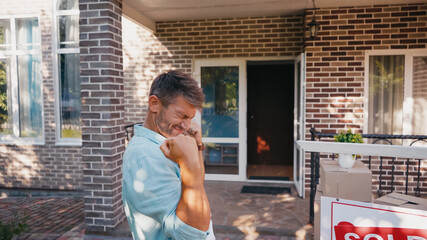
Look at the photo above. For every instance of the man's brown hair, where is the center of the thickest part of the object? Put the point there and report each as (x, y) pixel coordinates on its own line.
(174, 83)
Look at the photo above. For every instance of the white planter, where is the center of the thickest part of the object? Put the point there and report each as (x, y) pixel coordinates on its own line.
(346, 160)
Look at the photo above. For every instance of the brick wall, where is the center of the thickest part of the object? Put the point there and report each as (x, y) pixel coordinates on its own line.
(47, 166)
(335, 65)
(175, 45)
(101, 65)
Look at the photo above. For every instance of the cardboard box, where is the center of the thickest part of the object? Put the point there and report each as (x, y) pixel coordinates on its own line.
(348, 183)
(316, 223)
(402, 200)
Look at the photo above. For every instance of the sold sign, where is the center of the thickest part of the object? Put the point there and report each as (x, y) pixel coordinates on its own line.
(347, 231)
(342, 219)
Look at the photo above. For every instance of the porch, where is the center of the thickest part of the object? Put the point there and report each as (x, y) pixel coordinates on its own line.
(235, 215)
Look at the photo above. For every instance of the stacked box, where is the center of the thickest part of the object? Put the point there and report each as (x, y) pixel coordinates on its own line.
(347, 183)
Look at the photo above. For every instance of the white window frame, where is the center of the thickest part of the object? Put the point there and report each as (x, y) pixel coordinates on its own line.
(12, 54)
(407, 94)
(59, 141)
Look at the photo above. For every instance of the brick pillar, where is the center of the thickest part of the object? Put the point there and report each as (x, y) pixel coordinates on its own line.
(102, 90)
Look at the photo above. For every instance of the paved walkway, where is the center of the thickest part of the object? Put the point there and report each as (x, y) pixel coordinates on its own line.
(47, 217)
(236, 216)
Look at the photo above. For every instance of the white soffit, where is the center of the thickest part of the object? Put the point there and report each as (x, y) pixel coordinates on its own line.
(171, 10)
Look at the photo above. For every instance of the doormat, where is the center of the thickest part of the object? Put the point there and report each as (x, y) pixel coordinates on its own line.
(265, 190)
(269, 178)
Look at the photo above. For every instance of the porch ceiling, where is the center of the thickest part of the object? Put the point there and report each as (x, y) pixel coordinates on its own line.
(168, 10)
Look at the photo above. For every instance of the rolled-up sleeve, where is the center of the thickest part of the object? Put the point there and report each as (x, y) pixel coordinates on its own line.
(154, 189)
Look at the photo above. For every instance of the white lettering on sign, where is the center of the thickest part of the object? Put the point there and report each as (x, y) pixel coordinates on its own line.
(354, 236)
(348, 235)
(415, 238)
(370, 236)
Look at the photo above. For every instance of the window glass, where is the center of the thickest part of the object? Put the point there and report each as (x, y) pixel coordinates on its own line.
(30, 96)
(386, 82)
(220, 117)
(70, 95)
(67, 39)
(68, 31)
(4, 34)
(5, 99)
(419, 118)
(67, 5)
(27, 34)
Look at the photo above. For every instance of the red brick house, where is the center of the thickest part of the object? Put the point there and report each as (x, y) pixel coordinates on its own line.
(266, 83)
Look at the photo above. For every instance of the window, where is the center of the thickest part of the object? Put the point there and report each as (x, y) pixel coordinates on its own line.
(396, 92)
(67, 87)
(21, 98)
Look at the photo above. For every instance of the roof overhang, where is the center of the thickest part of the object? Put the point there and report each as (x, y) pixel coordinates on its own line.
(148, 12)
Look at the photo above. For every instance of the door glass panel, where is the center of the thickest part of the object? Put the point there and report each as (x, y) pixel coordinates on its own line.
(220, 117)
(221, 158)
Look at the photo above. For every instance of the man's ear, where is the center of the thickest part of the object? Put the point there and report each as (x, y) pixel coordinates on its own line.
(154, 104)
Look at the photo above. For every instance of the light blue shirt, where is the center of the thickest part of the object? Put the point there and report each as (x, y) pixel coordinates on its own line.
(151, 190)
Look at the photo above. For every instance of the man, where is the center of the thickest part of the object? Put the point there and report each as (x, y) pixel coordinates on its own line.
(163, 170)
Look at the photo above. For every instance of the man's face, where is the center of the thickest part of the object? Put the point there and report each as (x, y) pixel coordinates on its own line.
(175, 118)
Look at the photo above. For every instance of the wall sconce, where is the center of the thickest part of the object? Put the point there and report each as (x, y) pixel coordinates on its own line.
(313, 26)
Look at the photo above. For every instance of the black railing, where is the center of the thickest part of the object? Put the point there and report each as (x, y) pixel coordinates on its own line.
(130, 130)
(315, 163)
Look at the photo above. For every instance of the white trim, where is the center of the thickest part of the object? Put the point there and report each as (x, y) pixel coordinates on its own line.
(241, 140)
(407, 95)
(416, 152)
(12, 55)
(299, 120)
(67, 51)
(64, 12)
(59, 141)
(132, 14)
(220, 140)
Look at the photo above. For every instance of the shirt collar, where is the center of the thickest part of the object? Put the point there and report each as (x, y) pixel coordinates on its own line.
(141, 131)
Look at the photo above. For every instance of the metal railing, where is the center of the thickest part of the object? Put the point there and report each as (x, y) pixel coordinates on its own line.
(376, 138)
(130, 130)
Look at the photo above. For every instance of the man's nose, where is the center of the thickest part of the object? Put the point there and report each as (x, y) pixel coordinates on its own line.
(185, 125)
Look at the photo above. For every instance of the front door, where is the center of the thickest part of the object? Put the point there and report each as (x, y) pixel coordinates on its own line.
(223, 117)
(270, 120)
(299, 123)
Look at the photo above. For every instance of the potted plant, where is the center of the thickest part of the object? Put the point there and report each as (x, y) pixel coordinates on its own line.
(347, 160)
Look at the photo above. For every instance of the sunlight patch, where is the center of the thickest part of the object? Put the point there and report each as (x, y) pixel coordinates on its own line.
(138, 186)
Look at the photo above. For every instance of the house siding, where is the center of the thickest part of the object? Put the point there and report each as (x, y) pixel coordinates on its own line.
(47, 166)
(176, 45)
(336, 68)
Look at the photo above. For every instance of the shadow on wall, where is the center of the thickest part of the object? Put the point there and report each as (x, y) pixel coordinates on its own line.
(144, 57)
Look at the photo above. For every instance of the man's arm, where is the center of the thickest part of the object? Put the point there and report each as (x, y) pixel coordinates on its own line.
(193, 207)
